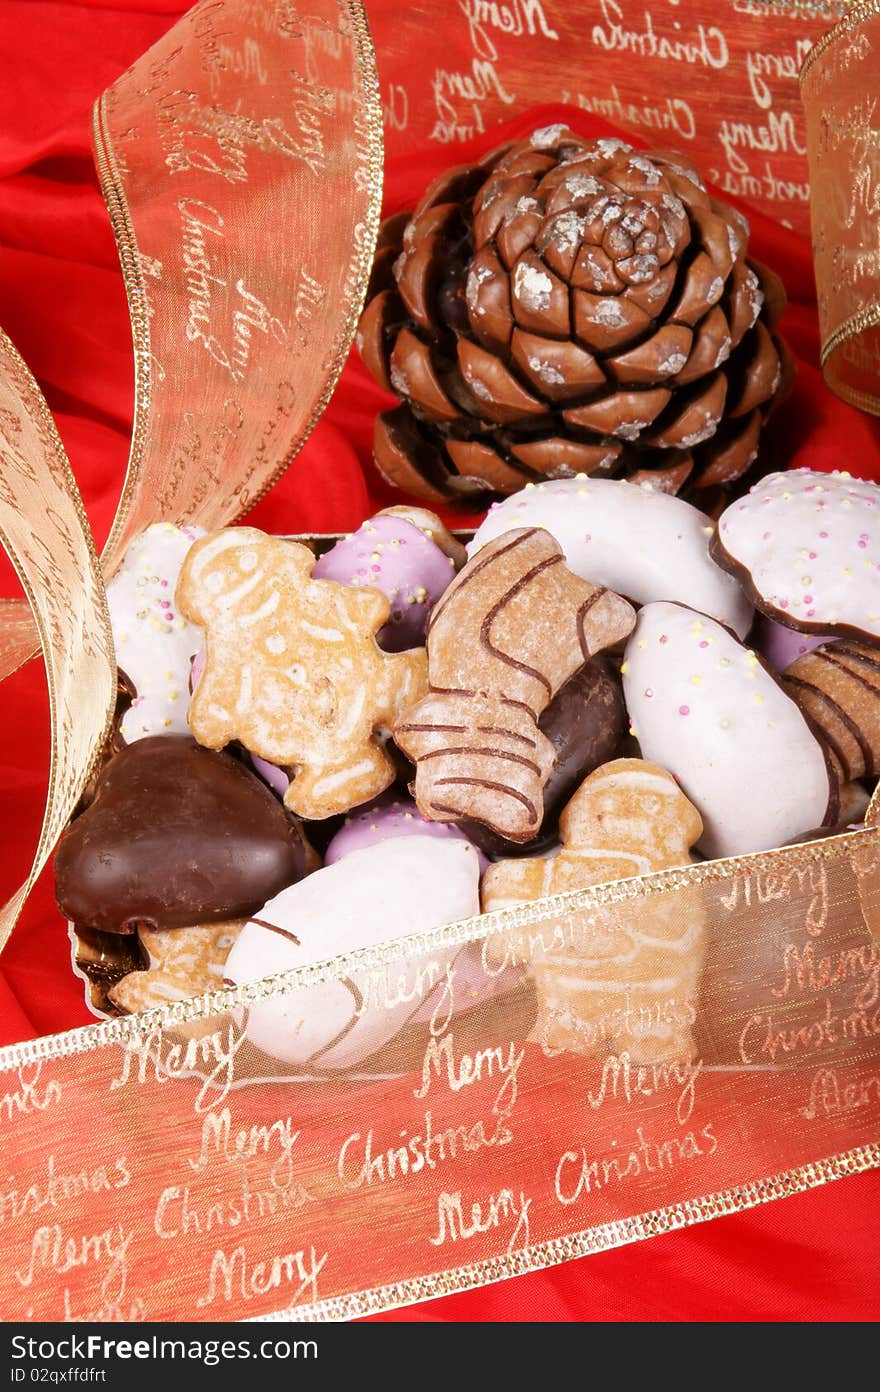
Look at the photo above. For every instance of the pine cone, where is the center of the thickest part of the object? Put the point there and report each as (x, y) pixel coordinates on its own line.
(570, 306)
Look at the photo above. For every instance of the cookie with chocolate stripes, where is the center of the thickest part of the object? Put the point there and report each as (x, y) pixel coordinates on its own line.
(511, 629)
(838, 686)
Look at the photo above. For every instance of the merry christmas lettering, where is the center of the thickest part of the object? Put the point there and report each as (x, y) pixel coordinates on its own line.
(497, 1211)
(180, 1212)
(765, 1037)
(760, 66)
(30, 1094)
(475, 86)
(52, 1249)
(668, 114)
(707, 47)
(626, 1021)
(778, 135)
(831, 1096)
(804, 971)
(462, 1072)
(190, 140)
(201, 452)
(480, 84)
(578, 1174)
(244, 59)
(809, 883)
(518, 18)
(155, 1058)
(765, 185)
(239, 1147)
(54, 1188)
(387, 987)
(623, 1078)
(360, 1165)
(200, 221)
(234, 1276)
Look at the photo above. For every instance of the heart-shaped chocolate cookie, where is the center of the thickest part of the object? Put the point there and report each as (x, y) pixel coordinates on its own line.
(176, 834)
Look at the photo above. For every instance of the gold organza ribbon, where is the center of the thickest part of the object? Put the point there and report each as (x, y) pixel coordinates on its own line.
(840, 80)
(539, 1083)
(245, 213)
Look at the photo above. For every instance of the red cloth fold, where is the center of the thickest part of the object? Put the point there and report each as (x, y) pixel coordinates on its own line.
(62, 301)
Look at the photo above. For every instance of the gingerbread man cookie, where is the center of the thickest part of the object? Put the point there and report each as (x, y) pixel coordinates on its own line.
(183, 962)
(293, 669)
(629, 980)
(511, 629)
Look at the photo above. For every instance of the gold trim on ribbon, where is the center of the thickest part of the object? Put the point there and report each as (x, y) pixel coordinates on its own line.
(587, 1243)
(570, 905)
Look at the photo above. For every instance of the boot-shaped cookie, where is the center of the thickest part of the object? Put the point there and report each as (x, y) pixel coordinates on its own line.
(508, 633)
(621, 978)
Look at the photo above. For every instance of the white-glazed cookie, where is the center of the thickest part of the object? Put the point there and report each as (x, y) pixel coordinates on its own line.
(705, 707)
(386, 891)
(636, 540)
(154, 643)
(806, 546)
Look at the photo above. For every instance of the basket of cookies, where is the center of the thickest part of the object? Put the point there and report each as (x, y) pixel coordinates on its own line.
(401, 731)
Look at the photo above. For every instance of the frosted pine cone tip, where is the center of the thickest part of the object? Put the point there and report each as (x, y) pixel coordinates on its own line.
(570, 306)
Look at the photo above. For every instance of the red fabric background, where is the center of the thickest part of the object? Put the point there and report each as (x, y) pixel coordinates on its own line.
(62, 302)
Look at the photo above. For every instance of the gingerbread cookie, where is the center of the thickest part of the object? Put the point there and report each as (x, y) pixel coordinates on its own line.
(838, 686)
(806, 547)
(154, 642)
(614, 987)
(388, 890)
(182, 962)
(706, 708)
(637, 540)
(586, 722)
(293, 670)
(511, 629)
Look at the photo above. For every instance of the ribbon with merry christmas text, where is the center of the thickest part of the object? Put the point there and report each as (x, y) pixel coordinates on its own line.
(245, 214)
(840, 81)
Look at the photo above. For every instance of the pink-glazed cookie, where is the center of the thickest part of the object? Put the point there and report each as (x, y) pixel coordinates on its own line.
(705, 707)
(385, 819)
(806, 548)
(392, 554)
(782, 646)
(277, 779)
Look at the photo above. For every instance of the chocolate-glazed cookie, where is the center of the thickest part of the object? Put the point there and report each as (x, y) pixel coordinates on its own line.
(176, 834)
(585, 722)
